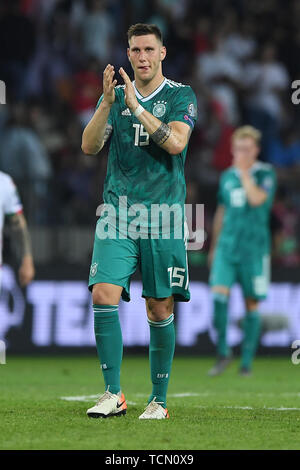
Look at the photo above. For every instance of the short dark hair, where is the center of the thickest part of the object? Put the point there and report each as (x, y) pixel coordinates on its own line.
(142, 29)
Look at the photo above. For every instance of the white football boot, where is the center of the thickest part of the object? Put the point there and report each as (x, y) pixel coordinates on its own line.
(108, 405)
(155, 411)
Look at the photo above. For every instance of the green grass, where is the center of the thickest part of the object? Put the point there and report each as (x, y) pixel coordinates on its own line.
(33, 416)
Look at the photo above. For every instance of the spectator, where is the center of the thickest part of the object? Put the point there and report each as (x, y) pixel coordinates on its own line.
(22, 154)
(286, 245)
(87, 88)
(17, 39)
(284, 150)
(222, 75)
(241, 43)
(201, 36)
(266, 80)
(97, 30)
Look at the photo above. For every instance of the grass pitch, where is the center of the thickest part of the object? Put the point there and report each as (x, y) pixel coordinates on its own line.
(225, 412)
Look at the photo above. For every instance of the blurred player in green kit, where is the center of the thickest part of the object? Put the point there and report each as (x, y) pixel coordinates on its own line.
(148, 123)
(240, 248)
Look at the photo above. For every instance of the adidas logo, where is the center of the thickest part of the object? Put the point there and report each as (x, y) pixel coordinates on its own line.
(126, 112)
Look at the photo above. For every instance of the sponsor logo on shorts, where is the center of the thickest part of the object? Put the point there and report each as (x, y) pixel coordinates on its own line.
(94, 269)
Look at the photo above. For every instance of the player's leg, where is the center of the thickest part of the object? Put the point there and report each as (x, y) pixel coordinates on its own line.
(222, 277)
(165, 279)
(251, 327)
(254, 278)
(109, 344)
(220, 320)
(161, 351)
(113, 263)
(108, 333)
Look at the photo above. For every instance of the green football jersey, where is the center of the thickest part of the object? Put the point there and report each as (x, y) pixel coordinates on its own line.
(245, 232)
(137, 167)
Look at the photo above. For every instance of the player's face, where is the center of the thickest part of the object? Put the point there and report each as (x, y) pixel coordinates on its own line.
(245, 151)
(145, 54)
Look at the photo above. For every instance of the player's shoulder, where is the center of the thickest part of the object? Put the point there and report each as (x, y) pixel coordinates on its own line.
(228, 173)
(263, 168)
(173, 84)
(178, 87)
(5, 179)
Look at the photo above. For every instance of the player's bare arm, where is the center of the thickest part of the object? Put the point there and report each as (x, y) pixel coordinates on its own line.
(255, 195)
(21, 234)
(97, 131)
(216, 230)
(172, 137)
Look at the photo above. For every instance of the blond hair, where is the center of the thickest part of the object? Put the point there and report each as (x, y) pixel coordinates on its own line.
(142, 29)
(247, 131)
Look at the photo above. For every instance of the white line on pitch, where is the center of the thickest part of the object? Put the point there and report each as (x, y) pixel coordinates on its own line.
(177, 395)
(87, 398)
(281, 408)
(80, 398)
(90, 398)
(171, 395)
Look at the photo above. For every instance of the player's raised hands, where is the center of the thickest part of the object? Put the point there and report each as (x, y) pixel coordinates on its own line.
(130, 98)
(109, 84)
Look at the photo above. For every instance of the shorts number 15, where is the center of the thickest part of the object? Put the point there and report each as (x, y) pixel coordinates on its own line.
(176, 278)
(141, 137)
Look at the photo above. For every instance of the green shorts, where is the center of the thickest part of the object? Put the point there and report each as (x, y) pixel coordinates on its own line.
(162, 263)
(253, 276)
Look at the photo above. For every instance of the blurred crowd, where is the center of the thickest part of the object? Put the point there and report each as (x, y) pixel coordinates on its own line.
(239, 56)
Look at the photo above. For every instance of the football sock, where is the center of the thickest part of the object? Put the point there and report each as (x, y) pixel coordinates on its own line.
(252, 328)
(109, 344)
(161, 352)
(220, 322)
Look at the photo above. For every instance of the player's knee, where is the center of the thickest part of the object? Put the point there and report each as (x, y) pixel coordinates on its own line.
(106, 294)
(251, 305)
(222, 290)
(101, 297)
(159, 309)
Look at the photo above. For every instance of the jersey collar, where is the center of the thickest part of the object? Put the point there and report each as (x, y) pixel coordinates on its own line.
(149, 97)
(255, 167)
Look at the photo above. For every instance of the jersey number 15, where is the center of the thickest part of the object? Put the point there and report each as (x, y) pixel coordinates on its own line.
(141, 137)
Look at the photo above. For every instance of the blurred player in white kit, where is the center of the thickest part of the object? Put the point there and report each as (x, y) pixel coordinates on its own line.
(12, 209)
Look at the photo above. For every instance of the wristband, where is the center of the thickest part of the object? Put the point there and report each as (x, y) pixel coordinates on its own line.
(138, 110)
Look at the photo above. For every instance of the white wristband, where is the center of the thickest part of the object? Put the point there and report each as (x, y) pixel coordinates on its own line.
(138, 110)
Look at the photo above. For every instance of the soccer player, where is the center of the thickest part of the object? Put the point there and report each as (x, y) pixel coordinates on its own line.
(240, 248)
(11, 207)
(149, 122)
